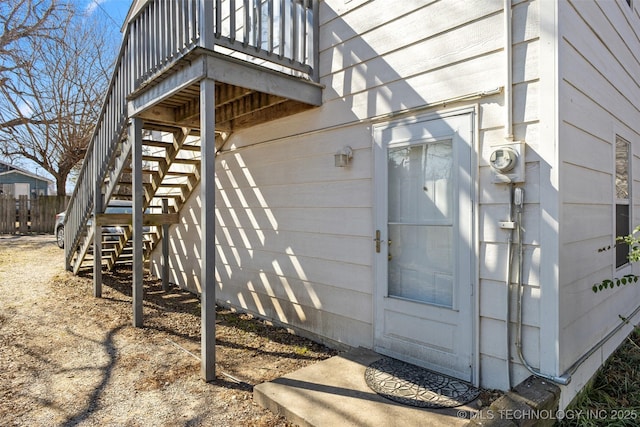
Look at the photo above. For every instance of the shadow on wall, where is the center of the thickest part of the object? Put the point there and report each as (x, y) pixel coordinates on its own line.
(294, 233)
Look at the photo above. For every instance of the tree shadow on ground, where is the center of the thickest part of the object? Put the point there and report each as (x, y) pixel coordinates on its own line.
(107, 370)
(178, 300)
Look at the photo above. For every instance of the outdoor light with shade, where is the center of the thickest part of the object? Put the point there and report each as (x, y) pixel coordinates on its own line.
(343, 157)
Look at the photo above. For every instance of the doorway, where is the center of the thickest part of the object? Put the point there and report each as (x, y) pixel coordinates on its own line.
(424, 252)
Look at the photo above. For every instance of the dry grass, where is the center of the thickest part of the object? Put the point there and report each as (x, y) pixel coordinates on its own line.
(67, 358)
(614, 393)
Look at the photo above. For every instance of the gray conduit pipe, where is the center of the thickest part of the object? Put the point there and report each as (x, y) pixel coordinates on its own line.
(600, 343)
(565, 378)
(508, 288)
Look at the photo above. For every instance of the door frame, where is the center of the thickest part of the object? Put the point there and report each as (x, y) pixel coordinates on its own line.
(380, 207)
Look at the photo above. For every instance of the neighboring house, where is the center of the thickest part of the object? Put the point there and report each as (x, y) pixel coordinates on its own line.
(19, 182)
(487, 153)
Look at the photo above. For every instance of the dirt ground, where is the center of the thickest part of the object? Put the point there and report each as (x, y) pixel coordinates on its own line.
(67, 358)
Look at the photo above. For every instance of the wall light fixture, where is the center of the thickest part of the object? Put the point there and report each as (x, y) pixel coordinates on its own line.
(343, 157)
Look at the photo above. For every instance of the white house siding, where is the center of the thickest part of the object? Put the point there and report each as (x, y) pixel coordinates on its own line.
(599, 89)
(294, 233)
(494, 200)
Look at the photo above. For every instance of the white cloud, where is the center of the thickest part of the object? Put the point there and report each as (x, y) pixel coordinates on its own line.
(92, 5)
(25, 109)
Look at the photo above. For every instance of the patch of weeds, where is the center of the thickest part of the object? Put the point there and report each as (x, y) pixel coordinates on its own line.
(301, 351)
(613, 395)
(244, 321)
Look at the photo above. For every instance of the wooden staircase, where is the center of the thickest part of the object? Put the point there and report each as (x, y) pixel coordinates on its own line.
(259, 62)
(189, 74)
(171, 172)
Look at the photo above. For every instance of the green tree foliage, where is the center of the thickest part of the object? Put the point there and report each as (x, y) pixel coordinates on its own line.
(633, 241)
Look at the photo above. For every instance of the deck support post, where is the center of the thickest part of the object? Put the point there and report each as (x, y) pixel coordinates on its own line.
(97, 241)
(207, 228)
(165, 248)
(135, 133)
(207, 25)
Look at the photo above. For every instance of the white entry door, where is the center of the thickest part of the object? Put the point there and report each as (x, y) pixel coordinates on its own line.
(424, 255)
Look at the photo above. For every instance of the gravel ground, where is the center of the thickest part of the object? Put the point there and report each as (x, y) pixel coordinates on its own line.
(69, 359)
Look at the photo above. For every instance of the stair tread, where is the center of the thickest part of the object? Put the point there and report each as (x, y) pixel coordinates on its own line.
(179, 173)
(167, 144)
(173, 184)
(144, 171)
(174, 160)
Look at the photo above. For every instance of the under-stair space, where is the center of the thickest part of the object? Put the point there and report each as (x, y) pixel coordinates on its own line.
(189, 74)
(171, 172)
(262, 60)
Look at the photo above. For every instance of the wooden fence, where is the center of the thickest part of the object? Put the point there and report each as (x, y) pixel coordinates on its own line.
(26, 215)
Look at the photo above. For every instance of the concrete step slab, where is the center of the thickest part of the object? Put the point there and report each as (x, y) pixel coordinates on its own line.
(334, 393)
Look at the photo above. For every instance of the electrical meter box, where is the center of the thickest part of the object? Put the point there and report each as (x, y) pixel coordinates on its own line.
(507, 162)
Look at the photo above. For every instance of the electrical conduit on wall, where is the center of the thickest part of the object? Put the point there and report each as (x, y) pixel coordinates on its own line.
(508, 96)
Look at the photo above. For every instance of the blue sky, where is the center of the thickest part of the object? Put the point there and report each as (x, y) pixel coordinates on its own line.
(114, 10)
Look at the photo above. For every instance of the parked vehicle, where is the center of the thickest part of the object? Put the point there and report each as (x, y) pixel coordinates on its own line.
(111, 233)
(58, 229)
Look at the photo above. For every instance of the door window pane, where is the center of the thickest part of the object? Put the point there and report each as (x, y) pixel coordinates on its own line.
(421, 263)
(420, 185)
(420, 197)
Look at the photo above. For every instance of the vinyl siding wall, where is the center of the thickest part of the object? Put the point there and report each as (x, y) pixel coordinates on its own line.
(16, 177)
(599, 98)
(294, 233)
(494, 207)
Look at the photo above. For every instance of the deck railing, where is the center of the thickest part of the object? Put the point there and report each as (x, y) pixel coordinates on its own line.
(281, 34)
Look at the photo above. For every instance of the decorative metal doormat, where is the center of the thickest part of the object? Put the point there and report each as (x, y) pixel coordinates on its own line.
(415, 386)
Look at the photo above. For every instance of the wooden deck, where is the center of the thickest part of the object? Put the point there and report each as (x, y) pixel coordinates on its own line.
(246, 95)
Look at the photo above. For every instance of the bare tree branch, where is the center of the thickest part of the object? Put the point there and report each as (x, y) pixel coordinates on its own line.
(51, 98)
(22, 20)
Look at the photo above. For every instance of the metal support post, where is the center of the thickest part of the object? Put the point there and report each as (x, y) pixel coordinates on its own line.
(165, 248)
(207, 226)
(137, 205)
(97, 241)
